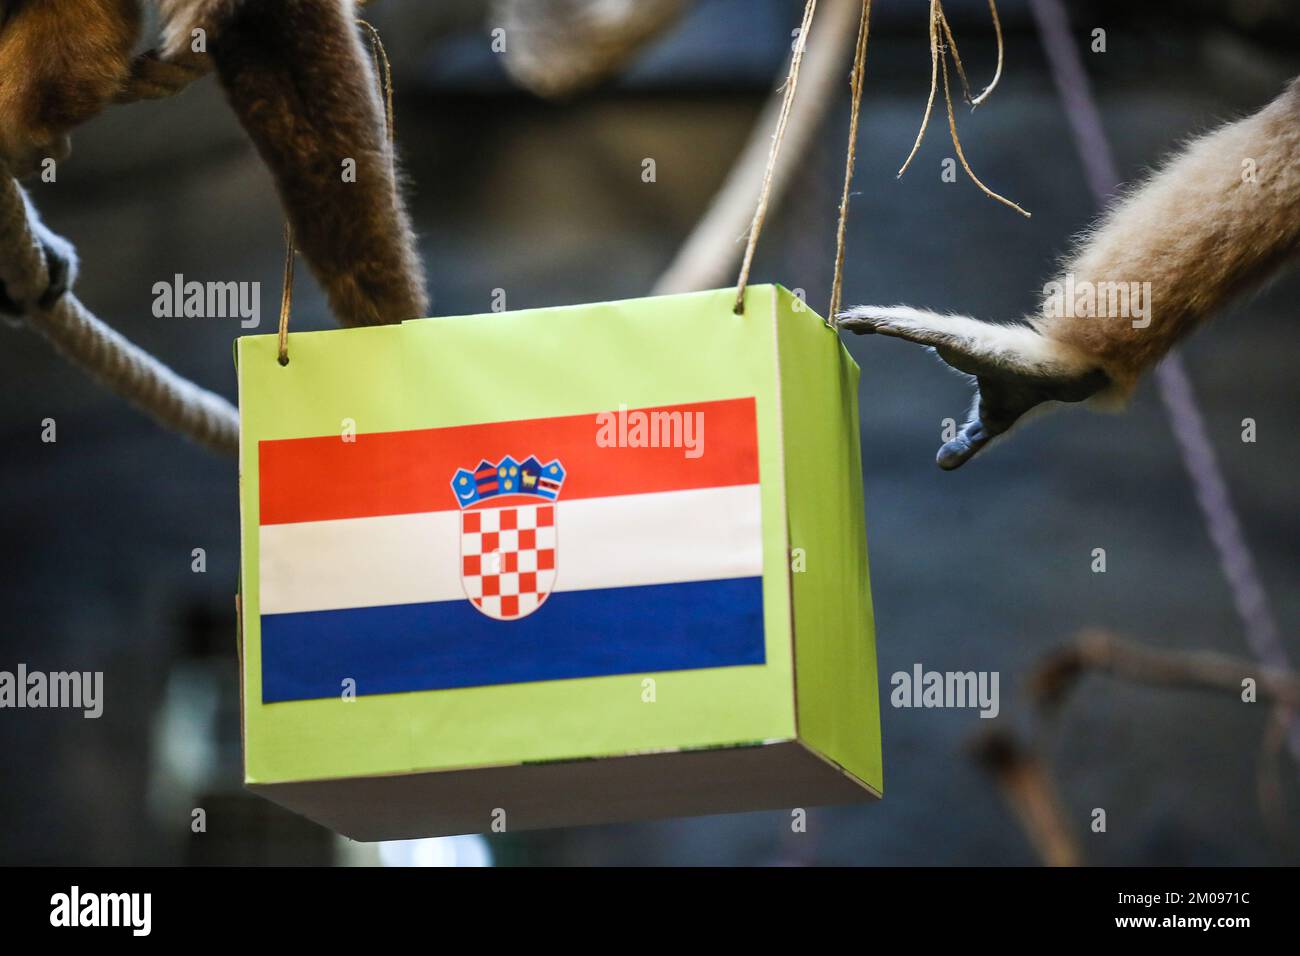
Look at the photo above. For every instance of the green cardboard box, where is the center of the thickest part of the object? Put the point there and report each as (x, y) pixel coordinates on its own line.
(556, 567)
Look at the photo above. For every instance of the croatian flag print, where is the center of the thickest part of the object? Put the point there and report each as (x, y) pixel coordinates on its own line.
(508, 552)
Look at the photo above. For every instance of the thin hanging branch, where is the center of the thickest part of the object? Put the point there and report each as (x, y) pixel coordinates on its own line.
(1098, 651)
(997, 74)
(934, 85)
(956, 56)
(939, 50)
(1023, 775)
(1026, 783)
(956, 143)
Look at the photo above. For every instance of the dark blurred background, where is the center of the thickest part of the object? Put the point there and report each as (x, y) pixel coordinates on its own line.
(987, 568)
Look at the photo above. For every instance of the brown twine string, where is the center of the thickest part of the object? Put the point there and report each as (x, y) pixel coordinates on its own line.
(942, 41)
(956, 57)
(956, 140)
(384, 72)
(961, 68)
(760, 214)
(997, 74)
(934, 85)
(855, 92)
(286, 293)
(939, 64)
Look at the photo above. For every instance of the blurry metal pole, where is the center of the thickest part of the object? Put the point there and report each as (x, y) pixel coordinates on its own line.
(1211, 488)
(708, 257)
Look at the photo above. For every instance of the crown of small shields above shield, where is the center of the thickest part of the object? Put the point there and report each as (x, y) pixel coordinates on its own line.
(508, 477)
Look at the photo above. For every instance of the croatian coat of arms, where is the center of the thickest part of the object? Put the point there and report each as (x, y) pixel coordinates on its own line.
(508, 543)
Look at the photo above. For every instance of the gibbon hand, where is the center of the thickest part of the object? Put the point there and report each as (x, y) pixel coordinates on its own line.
(1217, 220)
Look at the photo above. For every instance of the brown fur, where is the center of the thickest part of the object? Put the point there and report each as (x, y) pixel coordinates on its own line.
(297, 76)
(61, 62)
(1198, 231)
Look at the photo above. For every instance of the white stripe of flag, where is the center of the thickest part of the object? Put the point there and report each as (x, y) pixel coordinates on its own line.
(622, 541)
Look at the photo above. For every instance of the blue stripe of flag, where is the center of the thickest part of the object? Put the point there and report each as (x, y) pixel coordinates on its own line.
(412, 647)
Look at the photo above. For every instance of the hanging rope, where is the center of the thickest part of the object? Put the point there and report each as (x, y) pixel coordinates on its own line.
(934, 86)
(938, 67)
(956, 56)
(708, 256)
(101, 352)
(286, 295)
(941, 31)
(760, 214)
(1211, 489)
(855, 96)
(384, 75)
(997, 73)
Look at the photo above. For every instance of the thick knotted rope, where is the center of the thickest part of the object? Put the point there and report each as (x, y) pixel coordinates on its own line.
(97, 349)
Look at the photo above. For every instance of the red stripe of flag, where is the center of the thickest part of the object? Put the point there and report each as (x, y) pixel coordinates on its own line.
(407, 472)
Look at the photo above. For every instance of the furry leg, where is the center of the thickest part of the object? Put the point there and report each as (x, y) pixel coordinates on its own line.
(296, 74)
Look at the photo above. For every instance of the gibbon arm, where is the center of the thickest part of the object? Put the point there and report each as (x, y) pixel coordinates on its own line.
(1216, 221)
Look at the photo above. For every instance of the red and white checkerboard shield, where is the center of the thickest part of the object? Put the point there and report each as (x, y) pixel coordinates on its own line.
(507, 558)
